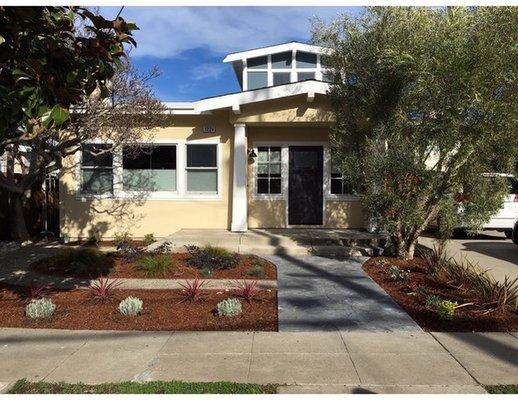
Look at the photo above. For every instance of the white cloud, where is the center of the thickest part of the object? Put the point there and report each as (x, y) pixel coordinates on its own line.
(207, 71)
(167, 32)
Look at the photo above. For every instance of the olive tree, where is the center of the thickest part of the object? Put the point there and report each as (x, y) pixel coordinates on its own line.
(425, 104)
(65, 78)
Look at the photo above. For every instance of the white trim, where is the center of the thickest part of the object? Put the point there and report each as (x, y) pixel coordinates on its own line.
(268, 93)
(280, 48)
(239, 180)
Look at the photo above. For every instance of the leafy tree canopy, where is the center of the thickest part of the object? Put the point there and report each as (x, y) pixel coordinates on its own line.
(425, 102)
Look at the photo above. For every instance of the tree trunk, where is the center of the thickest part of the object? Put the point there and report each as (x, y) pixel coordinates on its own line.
(19, 230)
(405, 249)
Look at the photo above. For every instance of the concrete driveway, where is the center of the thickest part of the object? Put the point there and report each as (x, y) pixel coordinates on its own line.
(490, 249)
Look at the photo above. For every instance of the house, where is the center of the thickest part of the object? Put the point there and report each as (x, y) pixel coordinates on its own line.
(258, 158)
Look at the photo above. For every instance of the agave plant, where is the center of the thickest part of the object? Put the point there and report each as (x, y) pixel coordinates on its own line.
(192, 289)
(103, 288)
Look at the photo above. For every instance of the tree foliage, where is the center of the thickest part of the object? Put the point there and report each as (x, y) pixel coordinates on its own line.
(425, 103)
(64, 79)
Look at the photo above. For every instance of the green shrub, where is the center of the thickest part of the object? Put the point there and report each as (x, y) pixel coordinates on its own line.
(78, 261)
(122, 239)
(229, 307)
(420, 290)
(207, 272)
(130, 306)
(155, 264)
(149, 238)
(445, 309)
(211, 257)
(432, 300)
(491, 295)
(398, 275)
(256, 271)
(437, 258)
(40, 308)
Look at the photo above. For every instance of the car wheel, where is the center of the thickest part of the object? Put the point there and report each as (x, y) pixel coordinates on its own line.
(515, 235)
(508, 234)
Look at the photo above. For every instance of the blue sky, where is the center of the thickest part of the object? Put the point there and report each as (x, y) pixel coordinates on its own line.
(188, 44)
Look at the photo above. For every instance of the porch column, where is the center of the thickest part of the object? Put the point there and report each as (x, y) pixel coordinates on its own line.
(239, 202)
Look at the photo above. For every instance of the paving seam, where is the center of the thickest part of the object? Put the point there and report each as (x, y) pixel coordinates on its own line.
(350, 358)
(455, 358)
(66, 358)
(140, 377)
(250, 360)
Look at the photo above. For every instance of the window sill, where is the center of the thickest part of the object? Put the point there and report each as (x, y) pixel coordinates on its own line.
(342, 197)
(268, 197)
(150, 197)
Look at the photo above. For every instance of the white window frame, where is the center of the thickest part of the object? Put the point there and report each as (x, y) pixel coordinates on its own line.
(80, 193)
(284, 186)
(202, 195)
(161, 194)
(328, 169)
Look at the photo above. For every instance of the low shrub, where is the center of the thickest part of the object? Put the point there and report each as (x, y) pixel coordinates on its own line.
(257, 271)
(129, 252)
(192, 289)
(103, 289)
(130, 306)
(398, 275)
(436, 258)
(40, 308)
(247, 290)
(207, 273)
(229, 307)
(122, 238)
(155, 264)
(211, 257)
(148, 239)
(491, 295)
(432, 300)
(84, 261)
(445, 309)
(420, 291)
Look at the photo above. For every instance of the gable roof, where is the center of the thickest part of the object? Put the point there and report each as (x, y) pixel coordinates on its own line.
(278, 48)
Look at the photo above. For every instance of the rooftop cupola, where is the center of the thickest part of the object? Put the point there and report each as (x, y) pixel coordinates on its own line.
(278, 65)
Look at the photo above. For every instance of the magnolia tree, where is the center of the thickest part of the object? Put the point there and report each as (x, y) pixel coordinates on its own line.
(65, 79)
(425, 103)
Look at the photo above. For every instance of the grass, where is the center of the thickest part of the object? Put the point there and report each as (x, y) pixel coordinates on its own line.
(155, 264)
(157, 387)
(502, 389)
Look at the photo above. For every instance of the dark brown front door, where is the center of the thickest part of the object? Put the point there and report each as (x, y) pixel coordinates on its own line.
(305, 185)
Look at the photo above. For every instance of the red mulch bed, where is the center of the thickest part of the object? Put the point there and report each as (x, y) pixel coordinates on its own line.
(163, 310)
(467, 319)
(120, 268)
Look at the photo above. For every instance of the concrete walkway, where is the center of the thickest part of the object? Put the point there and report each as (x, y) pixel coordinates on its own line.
(323, 294)
(326, 362)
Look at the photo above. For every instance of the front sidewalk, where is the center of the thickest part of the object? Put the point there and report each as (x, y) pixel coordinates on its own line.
(338, 362)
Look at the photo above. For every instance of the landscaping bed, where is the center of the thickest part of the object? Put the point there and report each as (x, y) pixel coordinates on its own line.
(167, 310)
(415, 289)
(92, 263)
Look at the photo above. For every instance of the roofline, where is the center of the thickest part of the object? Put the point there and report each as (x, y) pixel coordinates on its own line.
(278, 48)
(236, 99)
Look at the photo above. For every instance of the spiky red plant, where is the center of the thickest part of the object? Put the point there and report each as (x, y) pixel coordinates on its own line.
(37, 291)
(247, 290)
(103, 288)
(192, 289)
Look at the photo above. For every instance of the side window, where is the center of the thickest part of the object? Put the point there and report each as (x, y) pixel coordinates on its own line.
(268, 170)
(202, 168)
(97, 169)
(338, 183)
(149, 168)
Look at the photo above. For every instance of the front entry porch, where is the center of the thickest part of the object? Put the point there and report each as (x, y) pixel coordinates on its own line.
(293, 241)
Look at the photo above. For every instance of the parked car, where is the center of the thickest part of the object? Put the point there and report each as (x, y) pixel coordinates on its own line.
(515, 233)
(505, 219)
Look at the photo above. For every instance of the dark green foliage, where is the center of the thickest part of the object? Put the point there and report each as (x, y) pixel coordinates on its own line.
(257, 271)
(79, 261)
(157, 387)
(211, 257)
(155, 264)
(502, 389)
(149, 238)
(425, 104)
(122, 239)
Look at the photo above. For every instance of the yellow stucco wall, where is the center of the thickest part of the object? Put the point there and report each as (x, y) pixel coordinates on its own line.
(291, 119)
